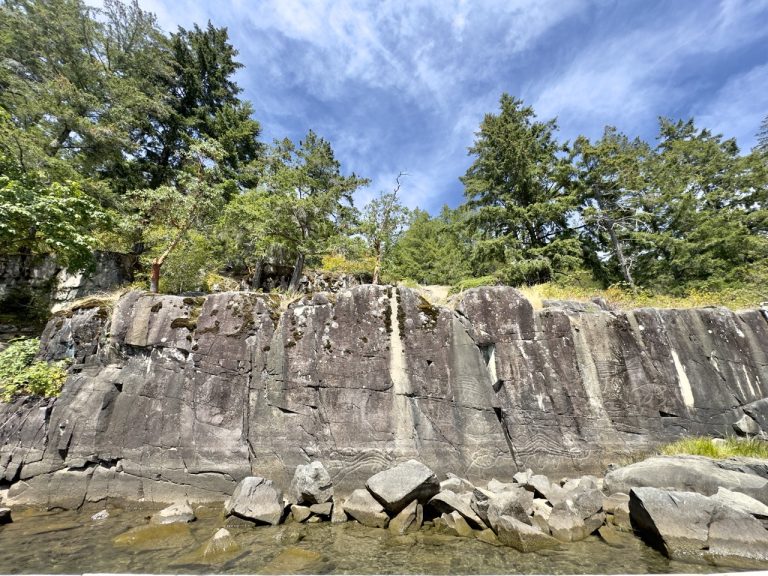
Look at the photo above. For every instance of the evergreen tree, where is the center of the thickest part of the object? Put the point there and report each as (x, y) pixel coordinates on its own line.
(518, 203)
(608, 175)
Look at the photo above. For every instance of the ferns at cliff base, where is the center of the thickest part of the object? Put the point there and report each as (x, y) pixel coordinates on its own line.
(21, 374)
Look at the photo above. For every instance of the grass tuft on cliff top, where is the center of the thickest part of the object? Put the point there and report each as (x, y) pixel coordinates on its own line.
(725, 448)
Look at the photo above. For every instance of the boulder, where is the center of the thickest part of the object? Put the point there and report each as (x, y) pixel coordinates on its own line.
(100, 515)
(567, 525)
(735, 534)
(521, 536)
(741, 502)
(523, 477)
(495, 486)
(364, 508)
(300, 513)
(398, 486)
(221, 544)
(677, 523)
(516, 503)
(5, 516)
(323, 509)
(617, 505)
(456, 484)
(586, 500)
(338, 515)
(746, 426)
(692, 527)
(311, 484)
(179, 512)
(447, 501)
(408, 520)
(453, 524)
(689, 473)
(488, 536)
(257, 499)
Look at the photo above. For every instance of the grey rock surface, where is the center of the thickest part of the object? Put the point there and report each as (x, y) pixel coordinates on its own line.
(407, 520)
(447, 501)
(180, 512)
(173, 398)
(366, 509)
(300, 513)
(692, 527)
(256, 499)
(689, 474)
(521, 536)
(397, 486)
(311, 484)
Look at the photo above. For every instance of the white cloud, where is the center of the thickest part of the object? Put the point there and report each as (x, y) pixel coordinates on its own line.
(738, 108)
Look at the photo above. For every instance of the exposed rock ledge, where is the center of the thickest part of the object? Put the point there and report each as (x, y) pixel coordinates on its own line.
(174, 397)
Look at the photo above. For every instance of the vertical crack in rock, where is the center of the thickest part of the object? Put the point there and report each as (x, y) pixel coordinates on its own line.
(682, 379)
(401, 384)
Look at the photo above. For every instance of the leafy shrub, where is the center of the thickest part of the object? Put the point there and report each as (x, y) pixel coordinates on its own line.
(21, 374)
(340, 264)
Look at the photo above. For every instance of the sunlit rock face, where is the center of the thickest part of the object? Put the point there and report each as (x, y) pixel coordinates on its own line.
(175, 397)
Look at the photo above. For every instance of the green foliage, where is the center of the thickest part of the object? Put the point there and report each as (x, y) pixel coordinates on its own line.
(383, 221)
(517, 197)
(188, 267)
(21, 374)
(470, 283)
(726, 448)
(40, 216)
(299, 211)
(431, 250)
(362, 266)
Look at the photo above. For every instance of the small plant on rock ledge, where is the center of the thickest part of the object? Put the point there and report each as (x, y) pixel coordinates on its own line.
(21, 374)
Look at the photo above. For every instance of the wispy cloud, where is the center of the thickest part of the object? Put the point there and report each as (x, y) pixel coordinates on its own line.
(404, 84)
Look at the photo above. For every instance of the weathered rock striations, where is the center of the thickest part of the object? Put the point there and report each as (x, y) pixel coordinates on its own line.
(174, 398)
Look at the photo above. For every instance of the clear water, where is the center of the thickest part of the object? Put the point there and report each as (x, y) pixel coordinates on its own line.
(70, 542)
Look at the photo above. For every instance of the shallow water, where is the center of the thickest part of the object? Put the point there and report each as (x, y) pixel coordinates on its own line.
(70, 542)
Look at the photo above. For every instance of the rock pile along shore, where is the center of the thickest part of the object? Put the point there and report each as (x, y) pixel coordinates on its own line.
(706, 512)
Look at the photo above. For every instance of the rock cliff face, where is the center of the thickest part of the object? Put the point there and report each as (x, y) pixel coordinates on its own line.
(173, 396)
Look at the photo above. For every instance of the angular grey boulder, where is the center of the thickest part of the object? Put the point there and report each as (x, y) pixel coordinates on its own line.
(523, 537)
(691, 527)
(398, 486)
(323, 509)
(446, 501)
(456, 484)
(180, 512)
(311, 484)
(300, 513)
(409, 519)
(258, 499)
(741, 502)
(688, 473)
(517, 503)
(364, 508)
(338, 515)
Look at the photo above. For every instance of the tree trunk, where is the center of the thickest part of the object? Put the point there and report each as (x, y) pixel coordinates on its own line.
(298, 269)
(55, 145)
(154, 279)
(377, 267)
(256, 278)
(623, 264)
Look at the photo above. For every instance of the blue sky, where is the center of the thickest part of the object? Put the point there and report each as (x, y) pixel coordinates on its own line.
(403, 85)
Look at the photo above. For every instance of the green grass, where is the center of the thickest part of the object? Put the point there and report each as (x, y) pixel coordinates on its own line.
(704, 446)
